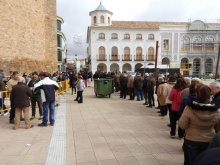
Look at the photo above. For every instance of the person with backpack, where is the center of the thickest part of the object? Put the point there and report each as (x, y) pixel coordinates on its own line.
(175, 97)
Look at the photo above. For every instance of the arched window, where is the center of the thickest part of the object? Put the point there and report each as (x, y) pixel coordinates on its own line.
(102, 19)
(151, 37)
(139, 36)
(126, 36)
(185, 43)
(114, 36)
(165, 61)
(126, 53)
(209, 44)
(108, 20)
(208, 66)
(101, 53)
(94, 19)
(150, 54)
(114, 52)
(139, 53)
(101, 35)
(197, 43)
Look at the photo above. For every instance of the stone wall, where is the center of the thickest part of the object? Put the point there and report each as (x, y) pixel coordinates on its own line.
(28, 35)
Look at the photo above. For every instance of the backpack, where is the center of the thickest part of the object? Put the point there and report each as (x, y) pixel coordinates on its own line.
(178, 98)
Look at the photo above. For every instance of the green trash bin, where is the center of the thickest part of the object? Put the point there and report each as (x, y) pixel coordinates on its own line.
(103, 87)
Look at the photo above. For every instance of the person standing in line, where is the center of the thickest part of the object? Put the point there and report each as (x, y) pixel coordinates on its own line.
(36, 97)
(151, 83)
(85, 78)
(73, 80)
(80, 88)
(13, 81)
(131, 86)
(20, 95)
(200, 120)
(215, 89)
(161, 98)
(123, 86)
(146, 78)
(47, 88)
(138, 84)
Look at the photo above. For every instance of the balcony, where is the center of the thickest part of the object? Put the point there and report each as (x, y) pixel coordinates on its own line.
(101, 57)
(139, 58)
(150, 57)
(114, 58)
(127, 58)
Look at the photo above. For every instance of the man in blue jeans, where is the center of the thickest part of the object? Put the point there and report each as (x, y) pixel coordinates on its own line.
(47, 88)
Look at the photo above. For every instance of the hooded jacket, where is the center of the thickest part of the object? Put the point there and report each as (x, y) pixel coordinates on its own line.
(200, 121)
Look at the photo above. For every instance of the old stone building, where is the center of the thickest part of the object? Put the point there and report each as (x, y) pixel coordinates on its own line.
(28, 35)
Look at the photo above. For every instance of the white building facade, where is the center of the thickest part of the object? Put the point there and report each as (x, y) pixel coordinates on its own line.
(128, 45)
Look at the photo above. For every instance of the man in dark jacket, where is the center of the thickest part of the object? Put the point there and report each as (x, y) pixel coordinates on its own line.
(20, 94)
(138, 83)
(215, 89)
(146, 78)
(47, 87)
(36, 97)
(150, 90)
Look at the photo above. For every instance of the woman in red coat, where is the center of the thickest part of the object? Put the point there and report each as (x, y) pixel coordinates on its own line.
(178, 87)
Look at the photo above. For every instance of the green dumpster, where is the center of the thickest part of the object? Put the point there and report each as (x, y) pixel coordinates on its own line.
(103, 87)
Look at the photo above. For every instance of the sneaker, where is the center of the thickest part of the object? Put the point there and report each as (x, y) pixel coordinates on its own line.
(149, 106)
(32, 117)
(75, 100)
(6, 113)
(31, 126)
(41, 117)
(42, 125)
(172, 136)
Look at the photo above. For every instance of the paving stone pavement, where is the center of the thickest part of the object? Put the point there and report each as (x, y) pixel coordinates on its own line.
(100, 131)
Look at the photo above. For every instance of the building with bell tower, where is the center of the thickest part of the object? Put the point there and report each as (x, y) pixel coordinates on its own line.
(100, 16)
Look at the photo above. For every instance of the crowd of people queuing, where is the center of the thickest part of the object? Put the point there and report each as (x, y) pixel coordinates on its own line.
(192, 106)
(38, 89)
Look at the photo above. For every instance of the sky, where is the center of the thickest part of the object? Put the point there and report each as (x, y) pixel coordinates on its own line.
(76, 15)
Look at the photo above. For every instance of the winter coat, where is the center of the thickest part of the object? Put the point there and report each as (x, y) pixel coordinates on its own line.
(173, 94)
(138, 82)
(80, 86)
(145, 84)
(160, 96)
(130, 83)
(20, 94)
(151, 83)
(123, 83)
(200, 121)
(216, 100)
(73, 80)
(184, 103)
(167, 91)
(37, 93)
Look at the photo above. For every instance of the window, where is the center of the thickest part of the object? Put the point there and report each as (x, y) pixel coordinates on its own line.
(208, 66)
(59, 55)
(101, 53)
(150, 54)
(165, 61)
(185, 43)
(108, 20)
(94, 19)
(209, 44)
(59, 40)
(165, 44)
(126, 53)
(151, 37)
(197, 43)
(114, 53)
(102, 19)
(139, 36)
(196, 66)
(139, 53)
(101, 36)
(114, 36)
(59, 25)
(126, 36)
